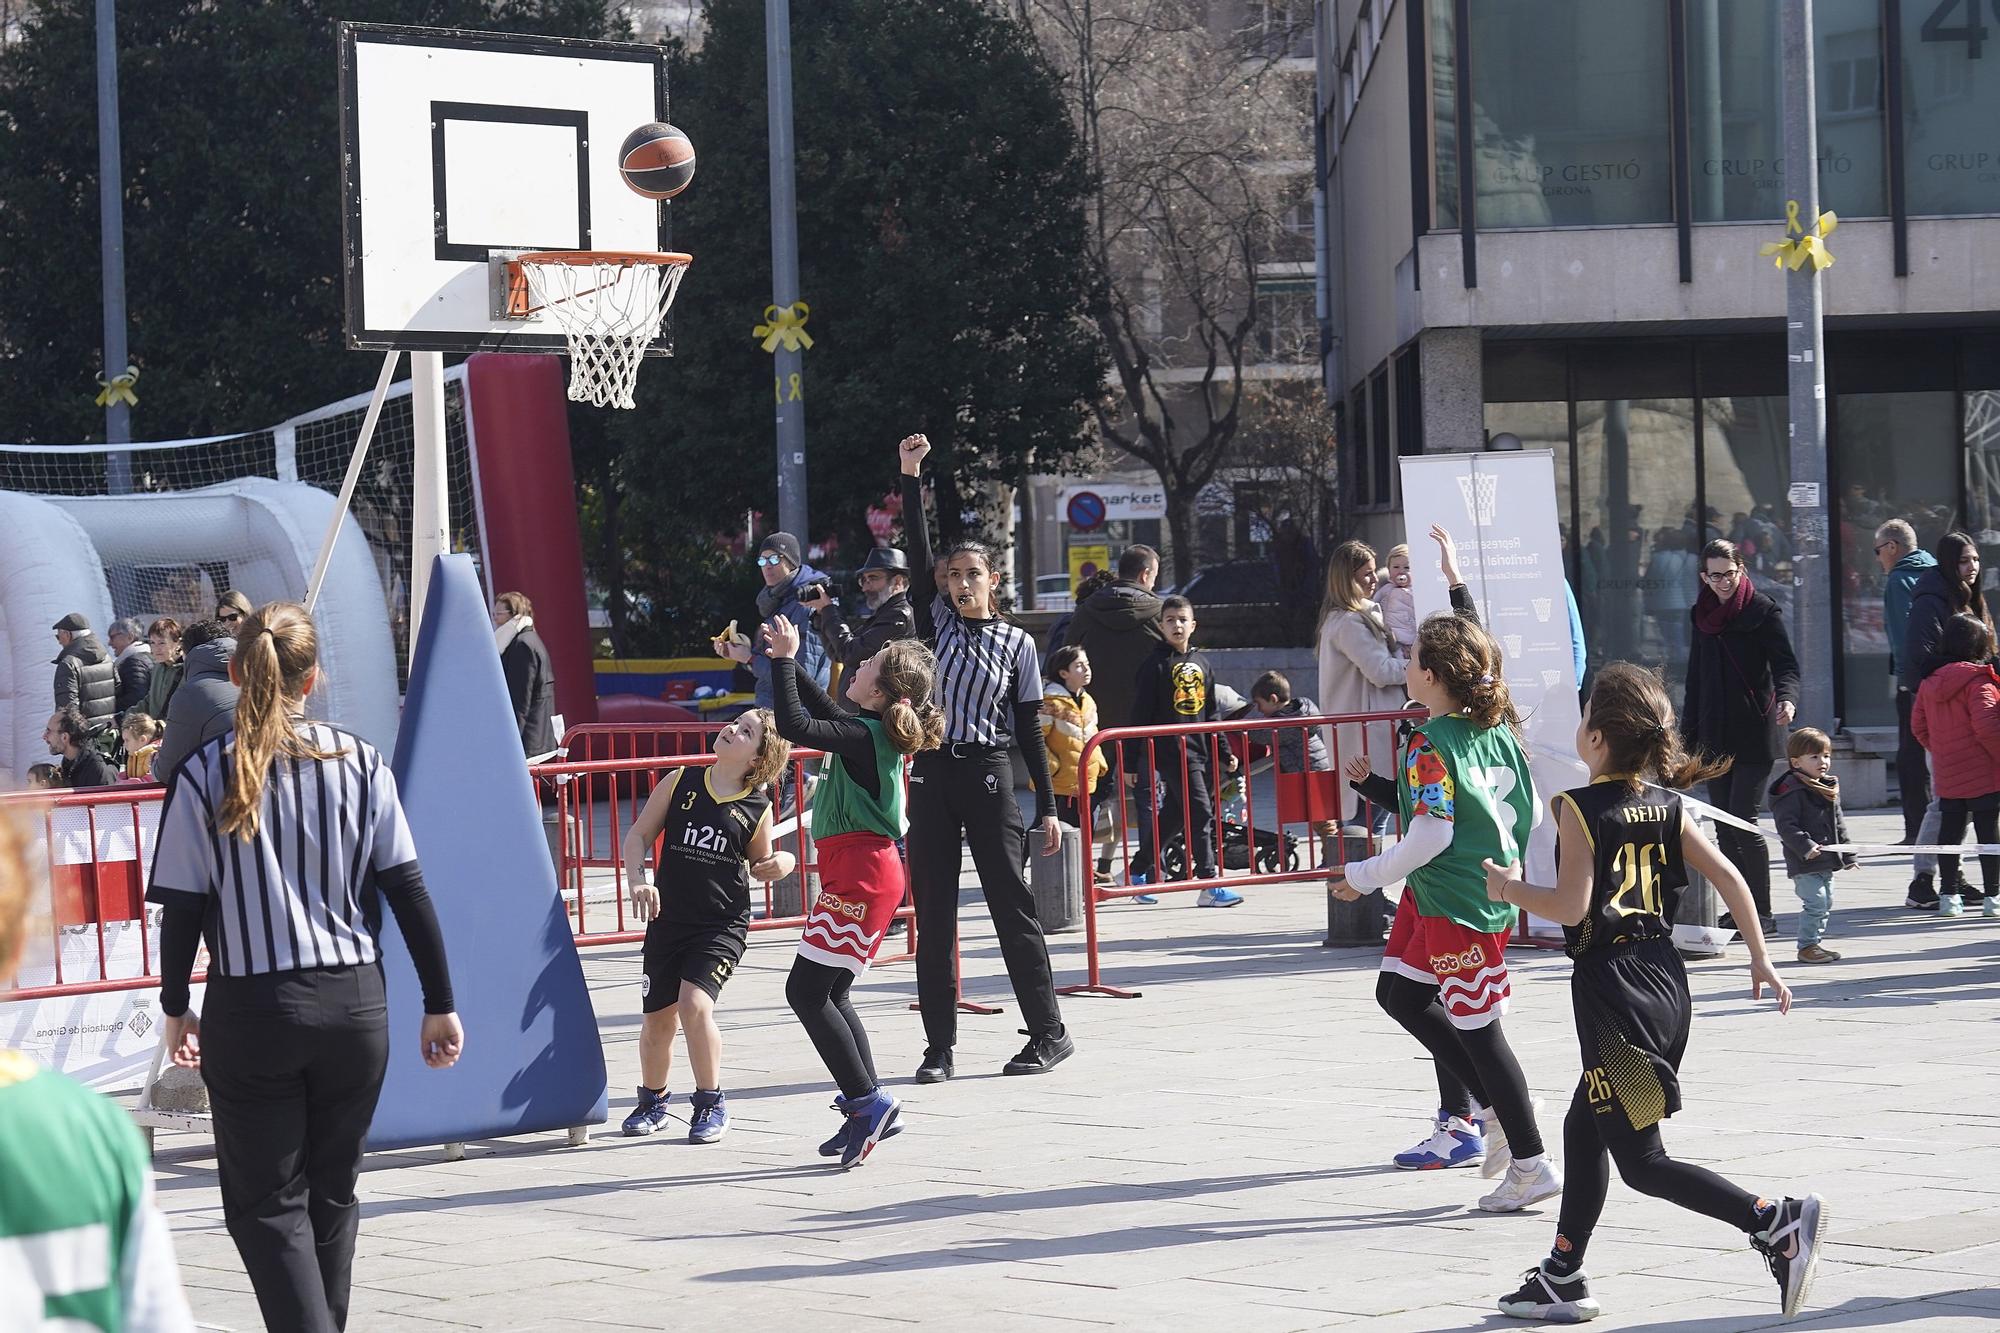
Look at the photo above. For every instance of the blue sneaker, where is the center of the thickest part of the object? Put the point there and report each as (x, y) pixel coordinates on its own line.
(1146, 898)
(836, 1145)
(711, 1117)
(1453, 1142)
(649, 1114)
(1218, 898)
(868, 1121)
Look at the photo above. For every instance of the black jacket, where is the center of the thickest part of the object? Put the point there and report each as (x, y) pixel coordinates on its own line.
(1932, 602)
(135, 677)
(203, 708)
(889, 622)
(88, 769)
(1804, 816)
(1735, 682)
(86, 679)
(531, 688)
(1174, 689)
(1119, 627)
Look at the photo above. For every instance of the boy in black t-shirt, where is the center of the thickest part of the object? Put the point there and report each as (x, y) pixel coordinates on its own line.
(1176, 686)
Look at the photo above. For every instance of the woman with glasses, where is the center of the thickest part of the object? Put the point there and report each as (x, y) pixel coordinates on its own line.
(1742, 693)
(231, 608)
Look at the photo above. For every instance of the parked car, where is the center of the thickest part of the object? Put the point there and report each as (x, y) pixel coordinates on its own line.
(1052, 593)
(1233, 582)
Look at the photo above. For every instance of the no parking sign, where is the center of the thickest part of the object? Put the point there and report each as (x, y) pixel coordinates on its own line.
(1086, 511)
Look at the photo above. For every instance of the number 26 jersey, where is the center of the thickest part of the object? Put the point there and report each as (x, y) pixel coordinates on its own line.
(1636, 868)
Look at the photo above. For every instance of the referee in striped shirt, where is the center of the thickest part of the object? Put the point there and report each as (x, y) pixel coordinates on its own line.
(278, 843)
(989, 683)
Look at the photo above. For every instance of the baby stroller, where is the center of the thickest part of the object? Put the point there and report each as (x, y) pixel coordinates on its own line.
(1275, 852)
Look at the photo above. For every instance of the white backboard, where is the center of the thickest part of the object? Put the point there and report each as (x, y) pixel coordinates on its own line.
(457, 144)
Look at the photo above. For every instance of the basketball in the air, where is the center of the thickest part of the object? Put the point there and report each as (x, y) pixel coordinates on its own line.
(657, 160)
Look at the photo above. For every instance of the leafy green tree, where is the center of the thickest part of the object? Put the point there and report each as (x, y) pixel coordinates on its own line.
(941, 246)
(229, 115)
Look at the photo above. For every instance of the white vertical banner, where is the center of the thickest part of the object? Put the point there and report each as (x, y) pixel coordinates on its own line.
(1500, 509)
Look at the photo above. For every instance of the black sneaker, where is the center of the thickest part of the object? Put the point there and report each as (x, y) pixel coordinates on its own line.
(1923, 894)
(1041, 1054)
(936, 1067)
(1790, 1245)
(1553, 1299)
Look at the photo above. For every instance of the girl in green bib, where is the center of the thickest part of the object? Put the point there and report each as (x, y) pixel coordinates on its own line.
(1465, 796)
(857, 816)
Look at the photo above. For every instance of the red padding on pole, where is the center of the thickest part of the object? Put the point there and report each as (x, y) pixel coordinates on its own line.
(527, 491)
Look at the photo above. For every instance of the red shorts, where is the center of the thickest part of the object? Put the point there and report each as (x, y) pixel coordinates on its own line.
(1468, 966)
(861, 882)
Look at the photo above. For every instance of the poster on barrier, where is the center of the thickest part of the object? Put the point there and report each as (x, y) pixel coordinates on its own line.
(1500, 509)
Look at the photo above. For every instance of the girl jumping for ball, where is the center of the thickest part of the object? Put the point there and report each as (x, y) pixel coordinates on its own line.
(1622, 848)
(857, 815)
(713, 827)
(1465, 796)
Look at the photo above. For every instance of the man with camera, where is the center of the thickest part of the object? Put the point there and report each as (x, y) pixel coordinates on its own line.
(884, 578)
(786, 579)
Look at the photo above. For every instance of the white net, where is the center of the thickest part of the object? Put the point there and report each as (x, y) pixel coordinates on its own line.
(312, 448)
(609, 309)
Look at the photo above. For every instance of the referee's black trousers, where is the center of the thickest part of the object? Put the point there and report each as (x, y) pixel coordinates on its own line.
(294, 1063)
(973, 798)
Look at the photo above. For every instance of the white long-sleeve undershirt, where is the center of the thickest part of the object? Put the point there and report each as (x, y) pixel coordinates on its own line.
(1423, 841)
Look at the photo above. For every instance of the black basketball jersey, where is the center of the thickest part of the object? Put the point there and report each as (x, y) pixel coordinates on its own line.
(1636, 868)
(704, 876)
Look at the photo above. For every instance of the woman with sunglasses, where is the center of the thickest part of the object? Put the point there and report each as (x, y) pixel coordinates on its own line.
(1742, 693)
(232, 608)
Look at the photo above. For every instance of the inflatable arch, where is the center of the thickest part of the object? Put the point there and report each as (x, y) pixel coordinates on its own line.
(54, 551)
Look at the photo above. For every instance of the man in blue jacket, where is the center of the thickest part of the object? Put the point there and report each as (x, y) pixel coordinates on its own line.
(785, 574)
(1902, 565)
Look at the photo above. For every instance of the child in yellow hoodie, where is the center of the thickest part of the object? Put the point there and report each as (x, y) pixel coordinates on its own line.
(1069, 720)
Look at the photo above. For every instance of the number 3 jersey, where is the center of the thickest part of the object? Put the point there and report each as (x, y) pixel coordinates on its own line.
(704, 870)
(1476, 779)
(1636, 868)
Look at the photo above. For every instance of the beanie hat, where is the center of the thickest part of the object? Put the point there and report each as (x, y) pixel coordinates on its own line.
(784, 544)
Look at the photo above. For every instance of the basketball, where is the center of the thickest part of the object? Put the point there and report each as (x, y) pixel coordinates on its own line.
(657, 160)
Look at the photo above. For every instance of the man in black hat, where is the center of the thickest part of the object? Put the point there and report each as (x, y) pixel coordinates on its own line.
(86, 679)
(884, 578)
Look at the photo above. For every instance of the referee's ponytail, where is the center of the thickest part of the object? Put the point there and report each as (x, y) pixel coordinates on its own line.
(276, 658)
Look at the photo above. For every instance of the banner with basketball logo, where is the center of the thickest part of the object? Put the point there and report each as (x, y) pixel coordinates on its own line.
(1500, 508)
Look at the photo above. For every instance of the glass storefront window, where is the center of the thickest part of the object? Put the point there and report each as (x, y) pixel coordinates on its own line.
(1444, 111)
(1982, 478)
(1894, 456)
(1635, 505)
(1541, 426)
(1951, 104)
(1570, 112)
(1736, 110)
(1746, 466)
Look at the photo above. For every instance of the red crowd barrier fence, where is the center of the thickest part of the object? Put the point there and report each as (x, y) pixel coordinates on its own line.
(1166, 765)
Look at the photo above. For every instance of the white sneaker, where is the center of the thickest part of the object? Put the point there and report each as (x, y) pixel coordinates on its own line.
(1523, 1186)
(1498, 1155)
(1949, 905)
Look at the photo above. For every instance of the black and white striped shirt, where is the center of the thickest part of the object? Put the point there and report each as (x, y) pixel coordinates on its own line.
(985, 668)
(304, 892)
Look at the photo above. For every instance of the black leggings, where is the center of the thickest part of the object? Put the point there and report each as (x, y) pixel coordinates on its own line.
(1643, 1164)
(1738, 792)
(1953, 811)
(818, 994)
(1470, 1062)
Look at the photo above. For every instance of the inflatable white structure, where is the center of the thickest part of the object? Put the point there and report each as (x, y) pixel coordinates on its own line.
(55, 551)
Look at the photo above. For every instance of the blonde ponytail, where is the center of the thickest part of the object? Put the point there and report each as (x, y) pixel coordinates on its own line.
(911, 721)
(276, 650)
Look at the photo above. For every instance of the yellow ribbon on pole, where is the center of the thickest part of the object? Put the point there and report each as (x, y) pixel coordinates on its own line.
(1802, 244)
(785, 325)
(118, 389)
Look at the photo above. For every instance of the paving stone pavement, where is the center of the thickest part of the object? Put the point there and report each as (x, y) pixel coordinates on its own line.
(1214, 1154)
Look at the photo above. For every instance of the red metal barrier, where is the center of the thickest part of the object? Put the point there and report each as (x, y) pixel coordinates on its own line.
(1267, 853)
(99, 934)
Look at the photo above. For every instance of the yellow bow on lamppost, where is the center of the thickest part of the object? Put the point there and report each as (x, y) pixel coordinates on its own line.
(785, 325)
(118, 389)
(1802, 244)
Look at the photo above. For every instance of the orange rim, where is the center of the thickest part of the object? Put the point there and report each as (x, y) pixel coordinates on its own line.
(520, 303)
(580, 258)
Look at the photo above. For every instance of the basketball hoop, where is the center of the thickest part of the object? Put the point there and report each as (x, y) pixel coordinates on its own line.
(610, 305)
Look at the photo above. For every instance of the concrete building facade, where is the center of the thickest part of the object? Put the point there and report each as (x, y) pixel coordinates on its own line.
(1540, 218)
